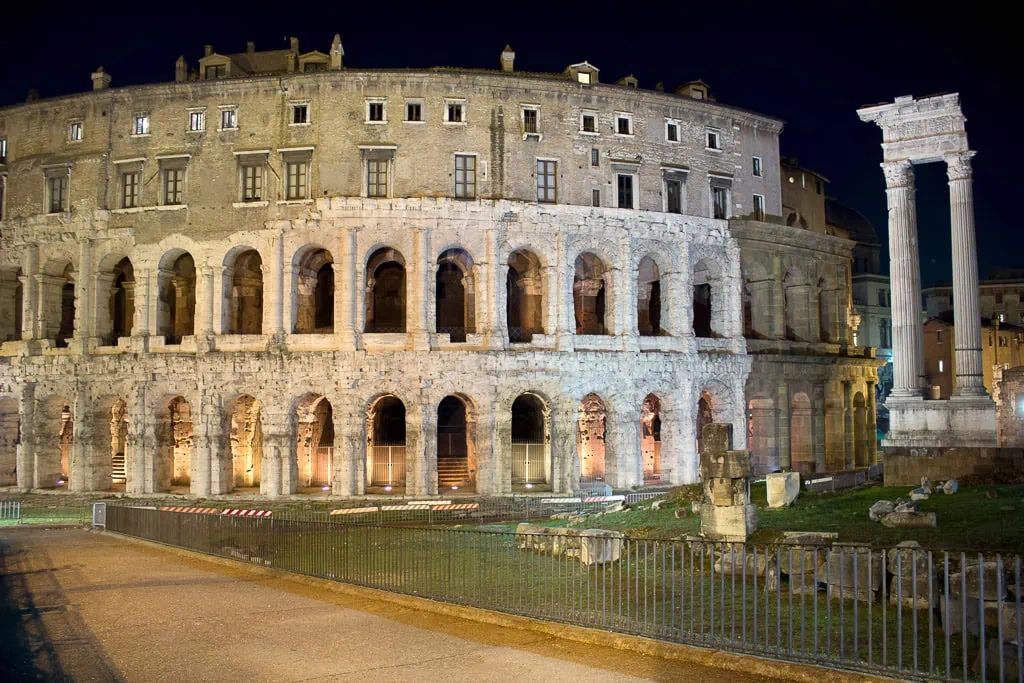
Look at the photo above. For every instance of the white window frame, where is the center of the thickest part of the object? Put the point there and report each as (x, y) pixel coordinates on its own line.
(635, 199)
(711, 201)
(597, 122)
(76, 125)
(50, 174)
(629, 117)
(717, 132)
(523, 108)
(449, 101)
(476, 175)
(756, 167)
(423, 110)
(558, 184)
(221, 110)
(383, 102)
(258, 161)
(201, 111)
(144, 117)
(669, 123)
(130, 166)
(941, 365)
(758, 199)
(292, 106)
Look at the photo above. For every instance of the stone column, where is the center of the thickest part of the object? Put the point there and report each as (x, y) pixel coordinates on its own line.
(871, 426)
(778, 302)
(493, 301)
(348, 478)
(818, 427)
(563, 446)
(491, 479)
(215, 427)
(30, 294)
(563, 292)
(136, 444)
(345, 291)
(82, 446)
(782, 428)
(84, 294)
(205, 295)
(25, 457)
(849, 436)
(625, 456)
(966, 309)
(418, 299)
(274, 325)
(157, 276)
(908, 352)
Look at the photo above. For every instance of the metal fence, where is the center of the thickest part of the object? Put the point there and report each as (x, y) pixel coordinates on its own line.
(36, 512)
(906, 612)
(10, 509)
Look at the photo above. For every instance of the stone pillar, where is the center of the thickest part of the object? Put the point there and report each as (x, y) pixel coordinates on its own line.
(345, 289)
(494, 476)
(157, 277)
(84, 295)
(101, 322)
(25, 457)
(274, 325)
(966, 307)
(778, 300)
(782, 428)
(849, 436)
(30, 294)
(418, 300)
(205, 296)
(421, 452)
(348, 478)
(82, 446)
(279, 473)
(624, 469)
(141, 322)
(493, 302)
(563, 446)
(216, 426)
(872, 422)
(136, 444)
(908, 352)
(563, 292)
(818, 427)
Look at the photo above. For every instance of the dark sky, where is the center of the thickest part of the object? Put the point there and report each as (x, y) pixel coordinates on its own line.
(809, 64)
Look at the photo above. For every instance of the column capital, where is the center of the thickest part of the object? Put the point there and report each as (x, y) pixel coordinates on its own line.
(958, 166)
(898, 174)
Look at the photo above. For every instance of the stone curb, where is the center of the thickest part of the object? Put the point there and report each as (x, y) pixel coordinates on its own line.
(690, 654)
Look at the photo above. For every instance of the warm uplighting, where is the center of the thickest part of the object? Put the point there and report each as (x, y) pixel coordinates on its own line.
(387, 488)
(455, 488)
(529, 486)
(326, 488)
(60, 482)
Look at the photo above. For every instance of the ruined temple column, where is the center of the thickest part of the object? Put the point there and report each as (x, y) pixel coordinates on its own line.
(782, 430)
(204, 302)
(818, 427)
(624, 469)
(136, 444)
(908, 352)
(348, 478)
(849, 436)
(966, 309)
(419, 300)
(82, 446)
(345, 291)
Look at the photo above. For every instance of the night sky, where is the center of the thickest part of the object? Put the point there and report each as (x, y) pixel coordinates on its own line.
(811, 65)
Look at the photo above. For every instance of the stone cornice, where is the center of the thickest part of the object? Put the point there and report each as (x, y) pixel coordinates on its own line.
(768, 235)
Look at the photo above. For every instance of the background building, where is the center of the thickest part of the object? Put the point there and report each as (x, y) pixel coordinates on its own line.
(1001, 294)
(1001, 350)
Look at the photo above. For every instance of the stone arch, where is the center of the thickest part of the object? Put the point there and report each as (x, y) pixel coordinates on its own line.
(10, 437)
(801, 434)
(176, 296)
(245, 441)
(710, 301)
(591, 294)
(175, 445)
(385, 291)
(456, 452)
(650, 439)
(11, 304)
(386, 445)
(107, 468)
(591, 437)
(313, 291)
(650, 302)
(315, 442)
(861, 434)
(524, 300)
(455, 294)
(57, 291)
(530, 439)
(115, 299)
(54, 439)
(243, 291)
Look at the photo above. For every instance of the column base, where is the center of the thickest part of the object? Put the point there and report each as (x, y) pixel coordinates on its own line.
(419, 340)
(970, 392)
(960, 421)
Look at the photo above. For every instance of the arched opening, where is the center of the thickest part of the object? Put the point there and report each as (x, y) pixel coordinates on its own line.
(67, 309)
(174, 445)
(650, 439)
(705, 416)
(10, 304)
(455, 468)
(455, 312)
(176, 302)
(112, 422)
(245, 304)
(122, 301)
(589, 294)
(703, 276)
(315, 443)
(648, 298)
(801, 434)
(10, 437)
(860, 431)
(524, 301)
(530, 452)
(590, 438)
(246, 437)
(761, 436)
(313, 287)
(385, 453)
(385, 292)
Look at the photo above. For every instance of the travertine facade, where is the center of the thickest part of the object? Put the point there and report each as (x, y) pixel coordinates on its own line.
(361, 281)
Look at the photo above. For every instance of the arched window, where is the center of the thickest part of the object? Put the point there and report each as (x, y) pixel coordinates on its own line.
(530, 450)
(122, 301)
(386, 463)
(648, 298)
(176, 306)
(454, 309)
(313, 287)
(589, 294)
(385, 292)
(246, 296)
(524, 302)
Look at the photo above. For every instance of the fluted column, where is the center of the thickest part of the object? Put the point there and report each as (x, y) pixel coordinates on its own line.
(492, 310)
(849, 436)
(908, 354)
(966, 309)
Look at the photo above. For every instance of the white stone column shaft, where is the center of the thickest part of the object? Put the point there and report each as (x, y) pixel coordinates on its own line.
(345, 291)
(30, 294)
(417, 299)
(276, 322)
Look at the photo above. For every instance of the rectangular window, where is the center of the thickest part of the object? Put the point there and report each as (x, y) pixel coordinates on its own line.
(465, 176)
(3, 150)
(941, 366)
(75, 131)
(595, 157)
(756, 170)
(413, 111)
(583, 77)
(674, 196)
(252, 183)
(455, 112)
(375, 112)
(296, 185)
(228, 119)
(530, 121)
(758, 207)
(623, 125)
(712, 139)
(589, 123)
(130, 190)
(596, 197)
(141, 125)
(58, 194)
(377, 177)
(817, 186)
(672, 131)
(1002, 317)
(218, 71)
(625, 185)
(547, 181)
(174, 186)
(719, 202)
(300, 114)
(197, 121)
(881, 297)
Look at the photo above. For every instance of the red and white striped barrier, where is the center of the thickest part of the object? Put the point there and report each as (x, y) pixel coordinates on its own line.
(353, 511)
(556, 501)
(182, 508)
(392, 508)
(456, 506)
(234, 512)
(603, 499)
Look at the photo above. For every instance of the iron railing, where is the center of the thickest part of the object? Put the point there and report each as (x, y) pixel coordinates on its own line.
(529, 463)
(907, 612)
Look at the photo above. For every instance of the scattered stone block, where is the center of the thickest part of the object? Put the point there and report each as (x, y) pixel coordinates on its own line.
(1010, 664)
(909, 520)
(905, 506)
(990, 579)
(783, 488)
(955, 623)
(918, 494)
(600, 546)
(617, 506)
(681, 513)
(914, 594)
(951, 487)
(656, 505)
(880, 509)
(846, 563)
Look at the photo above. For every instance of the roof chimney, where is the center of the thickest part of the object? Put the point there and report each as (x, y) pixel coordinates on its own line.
(628, 81)
(100, 79)
(207, 50)
(337, 52)
(250, 47)
(508, 58)
(180, 69)
(294, 42)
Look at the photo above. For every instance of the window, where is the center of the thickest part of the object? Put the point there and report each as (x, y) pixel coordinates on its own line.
(174, 186)
(855, 340)
(376, 177)
(719, 202)
(624, 183)
(595, 157)
(218, 71)
(58, 193)
(1002, 317)
(938, 336)
(712, 140)
(583, 78)
(375, 112)
(300, 114)
(547, 182)
(465, 176)
(197, 121)
(530, 121)
(229, 118)
(595, 197)
(314, 66)
(881, 297)
(455, 113)
(129, 189)
(588, 122)
(674, 195)
(3, 150)
(75, 131)
(672, 131)
(1003, 342)
(252, 182)
(414, 111)
(756, 169)
(623, 124)
(758, 207)
(141, 125)
(296, 179)
(999, 298)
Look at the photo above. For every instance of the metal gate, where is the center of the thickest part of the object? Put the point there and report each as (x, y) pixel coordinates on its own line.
(528, 463)
(387, 466)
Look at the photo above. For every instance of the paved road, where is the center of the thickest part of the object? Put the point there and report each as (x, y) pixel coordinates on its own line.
(76, 605)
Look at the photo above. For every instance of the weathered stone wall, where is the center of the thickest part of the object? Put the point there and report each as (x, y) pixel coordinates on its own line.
(1010, 409)
(906, 466)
